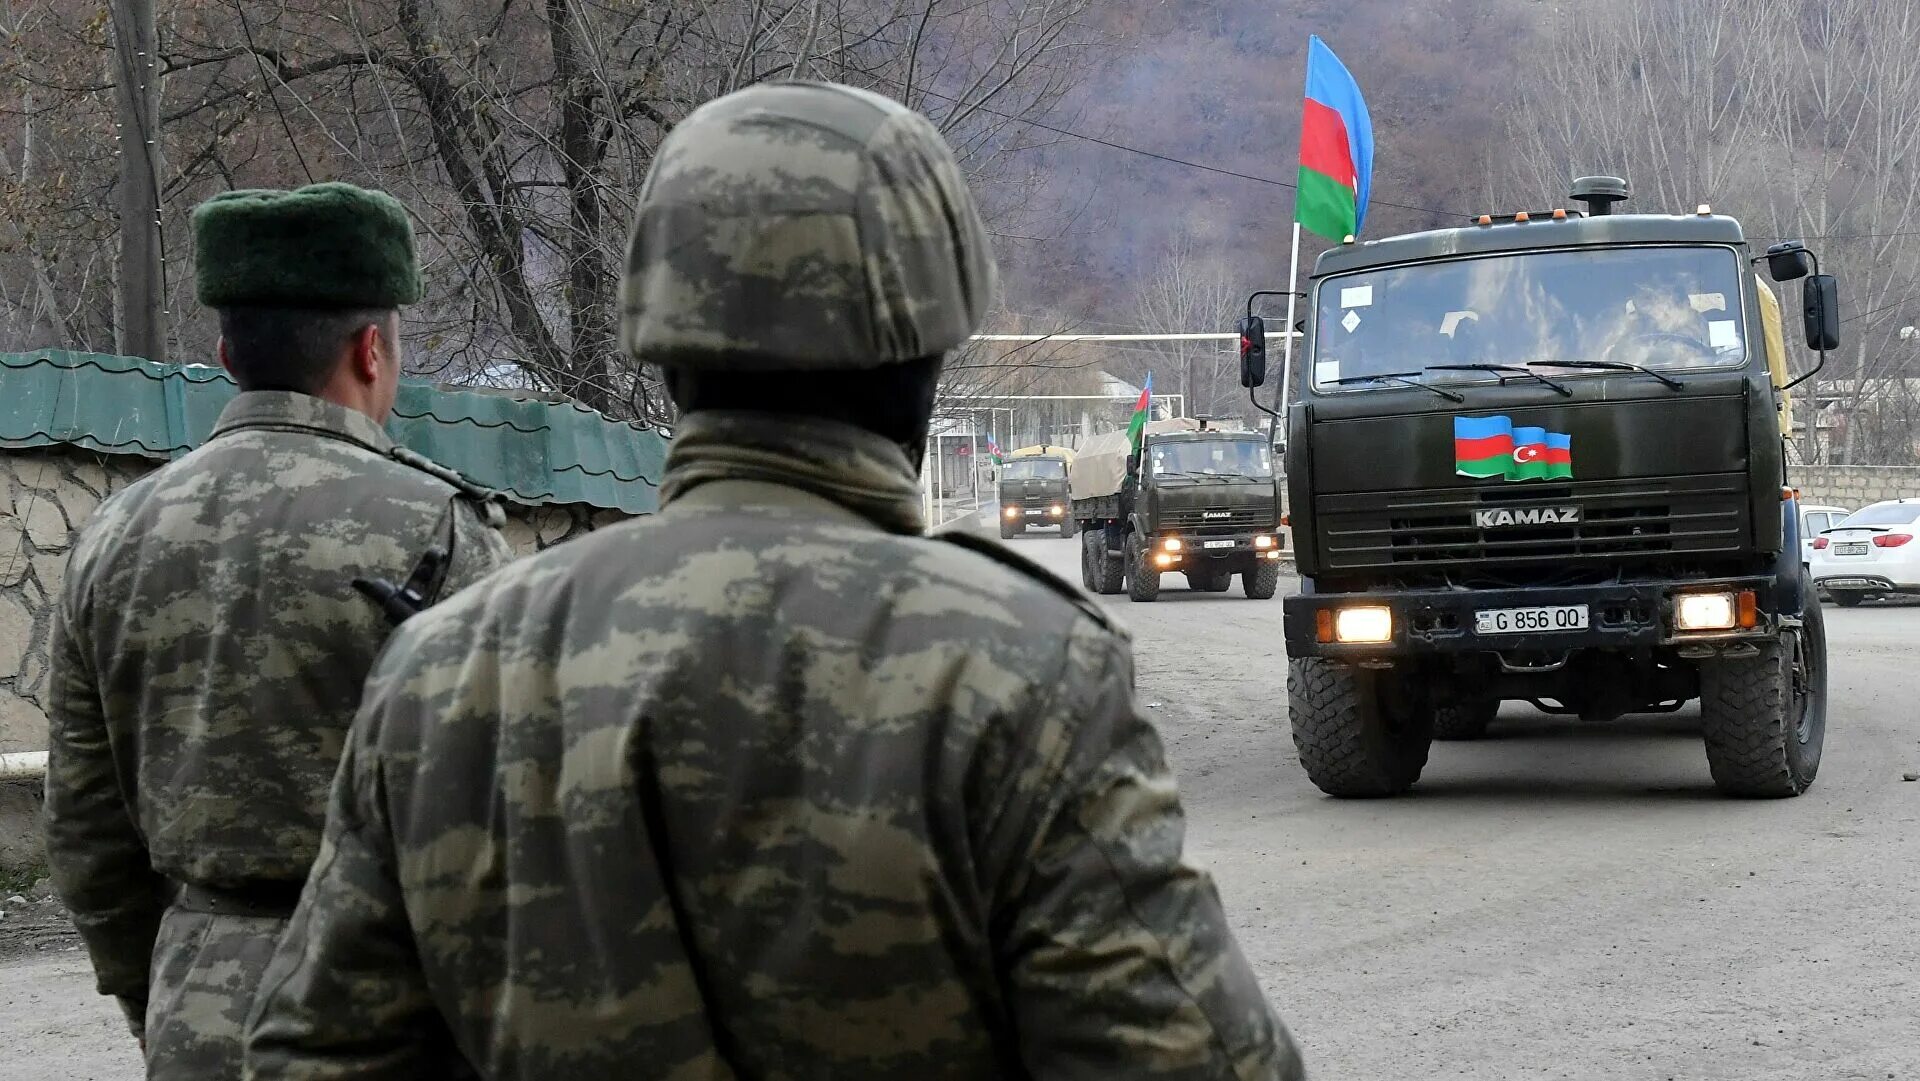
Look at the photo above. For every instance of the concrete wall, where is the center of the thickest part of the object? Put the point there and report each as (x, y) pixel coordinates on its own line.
(1854, 486)
(46, 496)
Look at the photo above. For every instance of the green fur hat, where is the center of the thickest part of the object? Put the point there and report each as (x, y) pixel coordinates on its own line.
(323, 246)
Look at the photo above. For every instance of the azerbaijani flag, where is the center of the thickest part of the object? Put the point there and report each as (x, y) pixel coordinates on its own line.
(1487, 447)
(1138, 424)
(1336, 149)
(993, 450)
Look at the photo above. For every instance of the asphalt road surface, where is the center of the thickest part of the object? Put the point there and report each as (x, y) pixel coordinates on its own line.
(1560, 900)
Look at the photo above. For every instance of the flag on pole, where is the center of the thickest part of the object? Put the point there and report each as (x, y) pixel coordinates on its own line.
(1336, 149)
(994, 450)
(1138, 425)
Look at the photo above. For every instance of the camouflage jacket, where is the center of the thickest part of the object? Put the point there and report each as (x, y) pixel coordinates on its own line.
(208, 653)
(764, 786)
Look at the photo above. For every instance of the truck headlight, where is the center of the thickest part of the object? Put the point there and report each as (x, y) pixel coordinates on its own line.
(1057, 510)
(1171, 544)
(1362, 625)
(1011, 512)
(1704, 612)
(1263, 541)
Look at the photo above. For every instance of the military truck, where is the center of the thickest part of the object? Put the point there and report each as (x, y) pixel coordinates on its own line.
(1197, 500)
(1033, 491)
(1540, 458)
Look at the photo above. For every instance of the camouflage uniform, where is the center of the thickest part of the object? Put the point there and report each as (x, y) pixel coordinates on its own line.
(208, 654)
(770, 784)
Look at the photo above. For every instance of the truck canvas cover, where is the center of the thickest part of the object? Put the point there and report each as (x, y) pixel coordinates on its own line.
(1099, 466)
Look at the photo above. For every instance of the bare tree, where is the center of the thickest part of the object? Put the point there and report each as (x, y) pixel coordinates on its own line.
(1191, 291)
(519, 132)
(1803, 120)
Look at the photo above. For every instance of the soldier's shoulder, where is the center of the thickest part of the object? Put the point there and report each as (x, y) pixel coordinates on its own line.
(1011, 563)
(488, 503)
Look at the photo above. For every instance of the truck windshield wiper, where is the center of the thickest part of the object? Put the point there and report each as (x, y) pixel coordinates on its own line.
(1502, 369)
(1405, 378)
(1610, 366)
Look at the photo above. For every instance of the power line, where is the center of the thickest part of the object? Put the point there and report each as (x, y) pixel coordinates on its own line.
(1168, 158)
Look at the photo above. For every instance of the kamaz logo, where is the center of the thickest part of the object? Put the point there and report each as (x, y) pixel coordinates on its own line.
(1504, 516)
(1218, 514)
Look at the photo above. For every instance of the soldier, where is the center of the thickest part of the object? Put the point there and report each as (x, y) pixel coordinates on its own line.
(769, 784)
(209, 648)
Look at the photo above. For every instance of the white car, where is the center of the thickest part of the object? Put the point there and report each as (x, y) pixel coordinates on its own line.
(1815, 520)
(1869, 553)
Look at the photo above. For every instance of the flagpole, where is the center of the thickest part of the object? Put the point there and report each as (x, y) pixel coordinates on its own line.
(1286, 350)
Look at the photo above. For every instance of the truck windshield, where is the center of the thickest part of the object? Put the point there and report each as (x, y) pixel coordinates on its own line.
(1213, 458)
(1034, 469)
(1665, 308)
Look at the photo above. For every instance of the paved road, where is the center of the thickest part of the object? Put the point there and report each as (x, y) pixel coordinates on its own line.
(1558, 901)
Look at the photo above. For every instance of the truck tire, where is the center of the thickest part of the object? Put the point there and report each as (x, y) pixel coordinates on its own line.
(1263, 581)
(1209, 581)
(1765, 717)
(1464, 719)
(1099, 572)
(1069, 527)
(1010, 530)
(1143, 581)
(1351, 742)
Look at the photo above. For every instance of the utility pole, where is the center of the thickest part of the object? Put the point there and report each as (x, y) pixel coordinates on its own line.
(139, 327)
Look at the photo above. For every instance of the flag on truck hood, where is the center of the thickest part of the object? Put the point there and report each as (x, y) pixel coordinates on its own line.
(1336, 149)
(1138, 424)
(1488, 447)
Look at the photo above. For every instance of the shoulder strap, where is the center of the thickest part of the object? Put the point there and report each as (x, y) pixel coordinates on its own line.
(486, 501)
(1014, 561)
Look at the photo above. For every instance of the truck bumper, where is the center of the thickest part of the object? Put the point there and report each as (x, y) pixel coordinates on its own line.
(1240, 549)
(1621, 615)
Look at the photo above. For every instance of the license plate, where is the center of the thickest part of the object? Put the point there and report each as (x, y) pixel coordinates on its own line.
(1856, 549)
(1553, 617)
(1216, 544)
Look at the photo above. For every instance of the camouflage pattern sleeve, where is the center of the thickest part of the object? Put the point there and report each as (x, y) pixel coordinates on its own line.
(478, 549)
(97, 856)
(1119, 957)
(345, 996)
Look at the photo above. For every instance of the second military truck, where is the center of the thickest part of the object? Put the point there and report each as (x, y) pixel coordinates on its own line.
(1195, 500)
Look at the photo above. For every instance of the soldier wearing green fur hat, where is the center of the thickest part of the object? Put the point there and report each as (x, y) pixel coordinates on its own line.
(770, 784)
(209, 647)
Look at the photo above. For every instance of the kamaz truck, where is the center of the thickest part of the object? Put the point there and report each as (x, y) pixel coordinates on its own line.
(1033, 491)
(1540, 458)
(1195, 500)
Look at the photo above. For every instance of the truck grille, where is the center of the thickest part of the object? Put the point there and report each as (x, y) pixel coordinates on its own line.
(1435, 528)
(1235, 520)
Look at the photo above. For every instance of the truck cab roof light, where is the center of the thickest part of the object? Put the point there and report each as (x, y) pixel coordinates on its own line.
(1484, 219)
(1704, 211)
(1559, 214)
(1522, 216)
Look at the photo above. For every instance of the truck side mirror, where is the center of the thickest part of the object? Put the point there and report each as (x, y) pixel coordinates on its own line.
(1820, 299)
(1788, 261)
(1253, 351)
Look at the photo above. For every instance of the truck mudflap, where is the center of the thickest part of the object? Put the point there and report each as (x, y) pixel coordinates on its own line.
(1617, 615)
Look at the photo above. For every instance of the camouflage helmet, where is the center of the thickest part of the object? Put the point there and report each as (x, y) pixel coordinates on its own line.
(803, 227)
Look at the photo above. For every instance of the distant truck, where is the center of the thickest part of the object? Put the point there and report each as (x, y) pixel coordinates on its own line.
(1197, 500)
(1033, 490)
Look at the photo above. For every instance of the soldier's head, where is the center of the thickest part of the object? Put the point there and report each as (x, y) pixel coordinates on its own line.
(308, 285)
(806, 248)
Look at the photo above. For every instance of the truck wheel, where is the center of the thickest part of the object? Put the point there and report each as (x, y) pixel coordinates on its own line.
(1068, 527)
(1765, 717)
(1354, 740)
(1464, 719)
(1009, 530)
(1099, 572)
(1847, 598)
(1263, 581)
(1143, 581)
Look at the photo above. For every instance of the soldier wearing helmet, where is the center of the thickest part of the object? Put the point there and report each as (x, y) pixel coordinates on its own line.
(769, 784)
